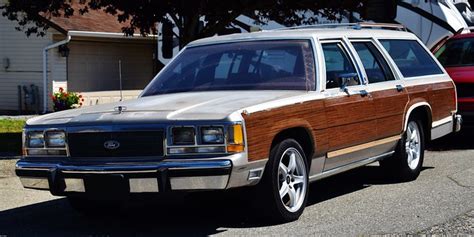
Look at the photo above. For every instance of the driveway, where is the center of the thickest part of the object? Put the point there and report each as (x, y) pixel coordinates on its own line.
(358, 202)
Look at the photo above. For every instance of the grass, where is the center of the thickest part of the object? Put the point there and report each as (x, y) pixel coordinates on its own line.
(11, 125)
(10, 136)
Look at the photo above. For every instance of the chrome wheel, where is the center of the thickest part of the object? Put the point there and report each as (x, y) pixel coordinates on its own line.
(292, 179)
(413, 145)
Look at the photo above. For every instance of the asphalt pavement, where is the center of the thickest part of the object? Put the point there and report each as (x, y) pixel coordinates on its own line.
(358, 202)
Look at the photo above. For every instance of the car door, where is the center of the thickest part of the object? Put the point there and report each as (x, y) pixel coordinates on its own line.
(350, 112)
(387, 92)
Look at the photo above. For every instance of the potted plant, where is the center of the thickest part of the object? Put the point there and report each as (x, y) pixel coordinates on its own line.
(66, 100)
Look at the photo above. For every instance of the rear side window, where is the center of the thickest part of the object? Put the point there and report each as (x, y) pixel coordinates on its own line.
(375, 65)
(338, 63)
(457, 53)
(411, 58)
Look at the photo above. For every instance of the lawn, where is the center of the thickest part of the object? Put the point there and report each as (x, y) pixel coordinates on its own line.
(10, 136)
(11, 125)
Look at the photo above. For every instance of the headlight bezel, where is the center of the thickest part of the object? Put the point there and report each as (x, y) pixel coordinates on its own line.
(203, 147)
(45, 149)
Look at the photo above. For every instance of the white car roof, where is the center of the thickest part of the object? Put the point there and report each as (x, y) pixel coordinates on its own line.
(305, 33)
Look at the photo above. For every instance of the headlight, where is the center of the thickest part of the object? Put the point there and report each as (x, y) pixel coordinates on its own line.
(49, 143)
(55, 139)
(35, 140)
(183, 135)
(212, 135)
(206, 139)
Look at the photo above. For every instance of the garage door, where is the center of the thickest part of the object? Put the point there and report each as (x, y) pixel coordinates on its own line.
(94, 66)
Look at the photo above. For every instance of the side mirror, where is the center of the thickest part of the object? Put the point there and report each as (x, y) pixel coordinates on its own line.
(345, 80)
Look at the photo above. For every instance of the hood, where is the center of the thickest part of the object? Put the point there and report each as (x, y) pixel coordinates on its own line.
(215, 105)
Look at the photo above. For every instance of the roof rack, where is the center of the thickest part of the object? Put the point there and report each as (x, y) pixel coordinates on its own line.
(470, 28)
(355, 26)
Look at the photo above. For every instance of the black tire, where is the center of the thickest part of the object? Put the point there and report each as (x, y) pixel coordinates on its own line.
(269, 187)
(398, 166)
(93, 207)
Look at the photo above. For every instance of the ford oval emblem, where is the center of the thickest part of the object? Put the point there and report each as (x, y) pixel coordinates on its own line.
(111, 145)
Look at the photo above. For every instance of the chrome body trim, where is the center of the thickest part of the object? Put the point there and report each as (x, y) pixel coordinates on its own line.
(445, 126)
(351, 150)
(143, 185)
(317, 165)
(199, 182)
(35, 183)
(356, 156)
(457, 122)
(241, 170)
(442, 121)
(347, 167)
(74, 185)
(442, 130)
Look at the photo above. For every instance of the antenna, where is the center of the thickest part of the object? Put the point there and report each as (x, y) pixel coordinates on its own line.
(120, 79)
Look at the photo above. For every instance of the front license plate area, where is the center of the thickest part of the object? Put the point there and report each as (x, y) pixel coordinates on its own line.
(106, 185)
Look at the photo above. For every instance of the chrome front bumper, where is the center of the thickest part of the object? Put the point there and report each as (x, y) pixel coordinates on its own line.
(63, 178)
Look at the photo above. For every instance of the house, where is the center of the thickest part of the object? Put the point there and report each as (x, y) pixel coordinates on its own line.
(82, 54)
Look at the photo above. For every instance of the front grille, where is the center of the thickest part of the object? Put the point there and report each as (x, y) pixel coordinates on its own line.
(465, 90)
(144, 143)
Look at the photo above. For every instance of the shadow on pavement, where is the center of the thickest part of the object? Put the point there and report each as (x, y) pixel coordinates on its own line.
(461, 140)
(198, 214)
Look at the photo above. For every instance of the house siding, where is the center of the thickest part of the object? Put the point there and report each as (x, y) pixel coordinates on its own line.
(26, 63)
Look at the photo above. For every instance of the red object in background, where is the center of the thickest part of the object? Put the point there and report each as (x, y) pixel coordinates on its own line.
(457, 56)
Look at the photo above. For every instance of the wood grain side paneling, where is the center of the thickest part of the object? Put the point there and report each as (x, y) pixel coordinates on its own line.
(389, 107)
(440, 96)
(334, 123)
(351, 121)
(263, 126)
(337, 123)
(352, 134)
(442, 100)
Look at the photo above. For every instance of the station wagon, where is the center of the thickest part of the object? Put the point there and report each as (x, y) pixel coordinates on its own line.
(273, 109)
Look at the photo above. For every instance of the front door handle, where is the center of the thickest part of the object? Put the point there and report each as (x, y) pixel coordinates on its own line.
(399, 88)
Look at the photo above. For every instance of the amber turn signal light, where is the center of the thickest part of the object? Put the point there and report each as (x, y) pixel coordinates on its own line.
(236, 139)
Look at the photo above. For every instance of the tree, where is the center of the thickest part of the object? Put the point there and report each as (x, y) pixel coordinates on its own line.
(194, 18)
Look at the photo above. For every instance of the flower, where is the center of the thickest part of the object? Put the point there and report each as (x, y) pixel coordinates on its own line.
(63, 100)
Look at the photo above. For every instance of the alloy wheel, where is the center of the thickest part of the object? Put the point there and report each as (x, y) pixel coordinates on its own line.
(292, 179)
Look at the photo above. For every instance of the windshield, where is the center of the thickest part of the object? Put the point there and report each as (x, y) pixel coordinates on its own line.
(256, 65)
(457, 53)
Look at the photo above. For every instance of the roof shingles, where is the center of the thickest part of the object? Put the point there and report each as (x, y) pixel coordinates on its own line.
(93, 20)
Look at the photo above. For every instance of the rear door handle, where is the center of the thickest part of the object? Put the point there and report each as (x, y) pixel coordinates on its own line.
(399, 88)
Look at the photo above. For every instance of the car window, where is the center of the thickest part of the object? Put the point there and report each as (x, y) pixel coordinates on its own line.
(337, 63)
(253, 65)
(375, 66)
(411, 58)
(457, 52)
